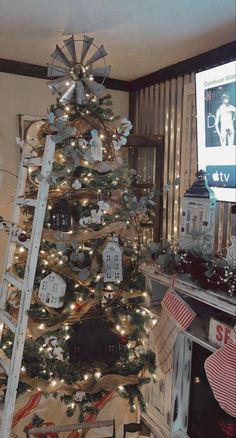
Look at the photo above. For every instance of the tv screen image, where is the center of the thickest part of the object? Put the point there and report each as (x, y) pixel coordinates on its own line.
(216, 128)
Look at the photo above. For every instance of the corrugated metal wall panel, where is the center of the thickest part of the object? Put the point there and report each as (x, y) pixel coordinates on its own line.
(169, 109)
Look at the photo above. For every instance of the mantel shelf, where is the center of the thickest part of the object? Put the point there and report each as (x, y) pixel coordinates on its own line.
(219, 300)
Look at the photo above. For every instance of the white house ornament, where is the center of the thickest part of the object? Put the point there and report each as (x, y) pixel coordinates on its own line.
(112, 261)
(198, 216)
(52, 290)
(96, 146)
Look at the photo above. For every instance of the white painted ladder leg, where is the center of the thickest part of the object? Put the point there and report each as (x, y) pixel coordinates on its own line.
(25, 285)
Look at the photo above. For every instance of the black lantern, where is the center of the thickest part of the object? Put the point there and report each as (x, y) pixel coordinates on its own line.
(60, 216)
(94, 342)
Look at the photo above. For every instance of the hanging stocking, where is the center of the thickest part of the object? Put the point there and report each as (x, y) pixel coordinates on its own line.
(175, 317)
(220, 369)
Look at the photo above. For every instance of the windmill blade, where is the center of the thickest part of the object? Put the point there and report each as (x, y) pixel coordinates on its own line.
(56, 88)
(67, 94)
(70, 45)
(80, 93)
(57, 84)
(94, 86)
(55, 70)
(87, 41)
(100, 53)
(60, 56)
(101, 71)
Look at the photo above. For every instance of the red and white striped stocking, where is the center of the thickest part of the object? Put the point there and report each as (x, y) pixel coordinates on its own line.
(176, 315)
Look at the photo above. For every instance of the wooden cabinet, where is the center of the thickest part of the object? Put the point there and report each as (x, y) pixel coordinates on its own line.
(146, 156)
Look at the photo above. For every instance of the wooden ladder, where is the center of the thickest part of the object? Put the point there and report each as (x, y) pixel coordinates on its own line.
(25, 284)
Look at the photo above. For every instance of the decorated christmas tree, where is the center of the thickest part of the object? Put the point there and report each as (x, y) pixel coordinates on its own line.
(87, 327)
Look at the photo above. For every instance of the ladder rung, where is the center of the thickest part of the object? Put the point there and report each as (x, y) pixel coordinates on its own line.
(26, 244)
(14, 280)
(27, 201)
(8, 320)
(33, 161)
(4, 361)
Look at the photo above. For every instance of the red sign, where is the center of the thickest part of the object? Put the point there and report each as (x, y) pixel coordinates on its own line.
(219, 332)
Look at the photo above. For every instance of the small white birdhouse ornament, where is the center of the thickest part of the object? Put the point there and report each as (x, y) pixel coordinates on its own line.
(112, 261)
(96, 146)
(198, 216)
(52, 290)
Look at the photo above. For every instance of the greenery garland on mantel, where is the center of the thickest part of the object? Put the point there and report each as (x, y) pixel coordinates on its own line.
(207, 272)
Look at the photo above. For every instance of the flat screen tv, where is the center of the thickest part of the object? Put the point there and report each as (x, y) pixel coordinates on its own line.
(216, 128)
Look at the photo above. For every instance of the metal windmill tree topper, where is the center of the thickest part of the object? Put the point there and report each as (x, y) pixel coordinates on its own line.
(74, 76)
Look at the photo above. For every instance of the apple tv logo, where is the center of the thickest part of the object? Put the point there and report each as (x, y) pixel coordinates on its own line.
(221, 176)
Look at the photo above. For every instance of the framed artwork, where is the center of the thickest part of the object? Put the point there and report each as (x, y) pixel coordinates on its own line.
(29, 127)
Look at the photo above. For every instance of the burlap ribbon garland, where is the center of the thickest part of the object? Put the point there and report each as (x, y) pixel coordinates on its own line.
(109, 382)
(124, 230)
